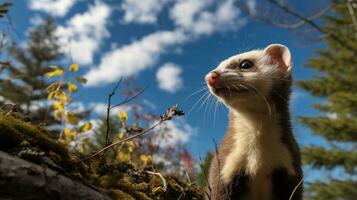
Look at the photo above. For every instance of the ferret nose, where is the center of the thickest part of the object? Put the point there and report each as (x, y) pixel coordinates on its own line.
(212, 78)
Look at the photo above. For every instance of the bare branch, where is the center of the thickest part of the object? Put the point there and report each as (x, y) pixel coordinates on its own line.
(205, 176)
(128, 99)
(108, 110)
(353, 16)
(164, 187)
(172, 111)
(312, 24)
(302, 22)
(110, 107)
(219, 167)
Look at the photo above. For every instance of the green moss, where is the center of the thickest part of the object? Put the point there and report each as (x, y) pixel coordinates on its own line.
(9, 137)
(13, 132)
(120, 179)
(120, 195)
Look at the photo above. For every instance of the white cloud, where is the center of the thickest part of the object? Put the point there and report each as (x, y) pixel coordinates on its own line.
(192, 18)
(83, 33)
(169, 77)
(58, 8)
(198, 17)
(132, 59)
(252, 7)
(142, 11)
(36, 20)
(174, 132)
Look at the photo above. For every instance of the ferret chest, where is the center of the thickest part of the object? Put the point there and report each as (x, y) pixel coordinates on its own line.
(257, 151)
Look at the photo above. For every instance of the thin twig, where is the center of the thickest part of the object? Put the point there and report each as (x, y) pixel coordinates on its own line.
(301, 22)
(108, 110)
(128, 99)
(353, 16)
(206, 179)
(219, 169)
(172, 111)
(161, 177)
(313, 24)
(296, 187)
(182, 191)
(123, 140)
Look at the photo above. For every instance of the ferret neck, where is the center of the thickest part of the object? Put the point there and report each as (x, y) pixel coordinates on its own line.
(256, 119)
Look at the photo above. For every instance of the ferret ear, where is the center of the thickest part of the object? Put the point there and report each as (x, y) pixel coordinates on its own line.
(280, 55)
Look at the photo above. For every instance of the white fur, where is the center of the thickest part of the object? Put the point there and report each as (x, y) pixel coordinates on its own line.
(258, 151)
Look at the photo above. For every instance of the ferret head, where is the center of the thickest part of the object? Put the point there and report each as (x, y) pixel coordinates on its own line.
(249, 78)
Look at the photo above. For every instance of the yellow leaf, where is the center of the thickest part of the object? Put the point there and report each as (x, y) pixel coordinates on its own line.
(81, 79)
(53, 87)
(58, 114)
(123, 156)
(146, 159)
(72, 118)
(56, 72)
(73, 67)
(85, 127)
(50, 95)
(120, 136)
(82, 146)
(131, 146)
(123, 116)
(58, 106)
(60, 95)
(69, 134)
(72, 87)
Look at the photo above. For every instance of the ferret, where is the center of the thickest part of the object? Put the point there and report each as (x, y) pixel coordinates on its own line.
(258, 158)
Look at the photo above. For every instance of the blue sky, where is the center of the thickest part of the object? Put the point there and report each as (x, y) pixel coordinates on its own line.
(169, 44)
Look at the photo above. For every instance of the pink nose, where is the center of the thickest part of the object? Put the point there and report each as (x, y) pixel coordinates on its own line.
(212, 78)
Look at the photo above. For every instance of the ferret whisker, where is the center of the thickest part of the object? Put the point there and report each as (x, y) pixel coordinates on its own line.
(194, 93)
(279, 95)
(258, 94)
(209, 99)
(215, 112)
(205, 101)
(202, 97)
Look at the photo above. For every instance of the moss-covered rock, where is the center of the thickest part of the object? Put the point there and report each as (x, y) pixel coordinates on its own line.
(120, 180)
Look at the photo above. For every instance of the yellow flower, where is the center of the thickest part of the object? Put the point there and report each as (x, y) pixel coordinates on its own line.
(123, 116)
(72, 87)
(73, 67)
(56, 72)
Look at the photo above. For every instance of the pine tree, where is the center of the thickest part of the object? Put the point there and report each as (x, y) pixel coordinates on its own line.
(336, 83)
(23, 82)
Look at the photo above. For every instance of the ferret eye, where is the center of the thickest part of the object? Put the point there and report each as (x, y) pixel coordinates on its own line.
(245, 64)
